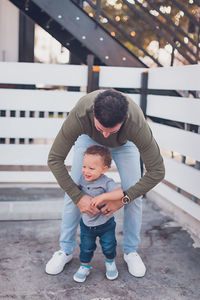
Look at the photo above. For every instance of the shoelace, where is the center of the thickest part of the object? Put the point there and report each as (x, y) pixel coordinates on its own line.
(83, 270)
(59, 253)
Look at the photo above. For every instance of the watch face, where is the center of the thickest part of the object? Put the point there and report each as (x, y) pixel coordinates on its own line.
(125, 200)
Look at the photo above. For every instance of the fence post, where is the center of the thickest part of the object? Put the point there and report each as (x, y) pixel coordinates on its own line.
(93, 74)
(90, 61)
(144, 92)
(95, 77)
(143, 103)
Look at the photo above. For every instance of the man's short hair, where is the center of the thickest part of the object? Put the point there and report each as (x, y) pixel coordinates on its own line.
(102, 151)
(110, 108)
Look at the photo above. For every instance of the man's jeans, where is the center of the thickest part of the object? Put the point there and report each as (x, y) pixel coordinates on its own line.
(106, 234)
(127, 160)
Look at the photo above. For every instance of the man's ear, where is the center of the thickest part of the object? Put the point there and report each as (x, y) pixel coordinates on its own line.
(105, 169)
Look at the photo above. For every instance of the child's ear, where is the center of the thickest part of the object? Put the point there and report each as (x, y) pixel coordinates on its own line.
(105, 169)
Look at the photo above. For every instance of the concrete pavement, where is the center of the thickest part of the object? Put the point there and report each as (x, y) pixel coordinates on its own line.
(173, 265)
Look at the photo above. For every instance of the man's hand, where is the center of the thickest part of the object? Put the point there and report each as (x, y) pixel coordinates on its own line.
(98, 200)
(85, 207)
(115, 195)
(111, 206)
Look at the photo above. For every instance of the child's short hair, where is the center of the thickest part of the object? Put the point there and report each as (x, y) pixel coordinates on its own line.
(104, 152)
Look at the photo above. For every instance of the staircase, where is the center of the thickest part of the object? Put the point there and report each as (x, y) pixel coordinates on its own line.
(78, 25)
(68, 23)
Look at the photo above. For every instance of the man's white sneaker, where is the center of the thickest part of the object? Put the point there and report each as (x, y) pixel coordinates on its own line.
(56, 264)
(135, 264)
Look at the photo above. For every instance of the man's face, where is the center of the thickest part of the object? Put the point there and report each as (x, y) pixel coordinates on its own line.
(106, 131)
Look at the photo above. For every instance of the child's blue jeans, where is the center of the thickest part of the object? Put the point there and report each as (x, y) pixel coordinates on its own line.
(106, 234)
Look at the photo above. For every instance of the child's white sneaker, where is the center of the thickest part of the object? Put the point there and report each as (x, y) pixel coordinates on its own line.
(82, 273)
(56, 264)
(111, 270)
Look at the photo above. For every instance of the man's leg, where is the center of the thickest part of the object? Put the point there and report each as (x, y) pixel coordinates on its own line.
(71, 213)
(127, 160)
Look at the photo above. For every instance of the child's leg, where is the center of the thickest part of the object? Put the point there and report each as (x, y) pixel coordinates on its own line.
(88, 243)
(107, 239)
(87, 248)
(108, 243)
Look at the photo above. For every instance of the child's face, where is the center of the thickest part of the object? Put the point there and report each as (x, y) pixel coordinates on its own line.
(93, 167)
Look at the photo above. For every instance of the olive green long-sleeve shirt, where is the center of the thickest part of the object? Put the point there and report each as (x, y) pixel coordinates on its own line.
(135, 129)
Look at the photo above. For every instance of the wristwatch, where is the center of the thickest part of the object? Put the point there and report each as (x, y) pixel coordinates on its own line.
(126, 199)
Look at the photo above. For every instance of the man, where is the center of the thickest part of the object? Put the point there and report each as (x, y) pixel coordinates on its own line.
(111, 119)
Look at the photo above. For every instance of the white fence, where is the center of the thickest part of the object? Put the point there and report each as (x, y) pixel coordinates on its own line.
(52, 105)
(30, 119)
(181, 145)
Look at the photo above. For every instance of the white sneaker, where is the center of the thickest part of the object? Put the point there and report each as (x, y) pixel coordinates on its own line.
(82, 273)
(111, 270)
(56, 264)
(135, 264)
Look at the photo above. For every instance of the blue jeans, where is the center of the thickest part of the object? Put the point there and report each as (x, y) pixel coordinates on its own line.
(127, 160)
(106, 234)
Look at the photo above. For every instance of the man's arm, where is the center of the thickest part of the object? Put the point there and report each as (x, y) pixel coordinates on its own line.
(152, 159)
(136, 130)
(63, 143)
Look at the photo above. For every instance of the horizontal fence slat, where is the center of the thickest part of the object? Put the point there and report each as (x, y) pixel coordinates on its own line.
(45, 74)
(183, 176)
(27, 177)
(174, 139)
(28, 155)
(120, 77)
(38, 177)
(38, 100)
(30, 127)
(176, 78)
(186, 110)
(178, 200)
(17, 99)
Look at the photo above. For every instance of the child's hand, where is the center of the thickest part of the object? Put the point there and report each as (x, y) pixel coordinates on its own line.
(98, 201)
